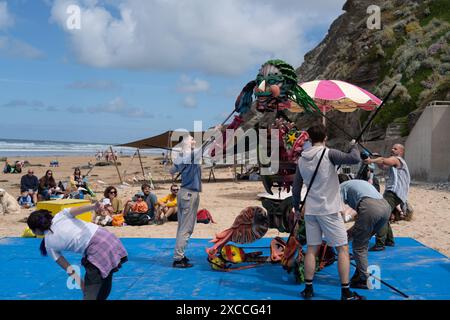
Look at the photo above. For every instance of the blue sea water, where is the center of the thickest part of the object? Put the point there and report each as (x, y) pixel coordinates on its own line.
(16, 148)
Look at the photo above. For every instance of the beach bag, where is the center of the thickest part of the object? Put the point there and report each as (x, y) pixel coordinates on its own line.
(136, 219)
(204, 216)
(118, 220)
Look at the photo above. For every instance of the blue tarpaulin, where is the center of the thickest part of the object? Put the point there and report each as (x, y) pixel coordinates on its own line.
(415, 269)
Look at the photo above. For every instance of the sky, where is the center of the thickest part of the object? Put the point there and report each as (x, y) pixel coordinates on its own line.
(113, 71)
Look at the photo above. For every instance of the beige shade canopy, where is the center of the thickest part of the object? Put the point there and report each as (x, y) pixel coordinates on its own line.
(161, 141)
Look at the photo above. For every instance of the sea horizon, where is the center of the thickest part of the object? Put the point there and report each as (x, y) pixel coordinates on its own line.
(43, 148)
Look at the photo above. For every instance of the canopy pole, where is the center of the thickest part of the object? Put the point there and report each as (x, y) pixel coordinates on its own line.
(140, 161)
(169, 143)
(115, 164)
(143, 171)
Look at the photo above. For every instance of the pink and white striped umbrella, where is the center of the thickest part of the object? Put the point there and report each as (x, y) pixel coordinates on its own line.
(340, 95)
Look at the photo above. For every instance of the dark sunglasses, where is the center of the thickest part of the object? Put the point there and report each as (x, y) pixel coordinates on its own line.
(113, 192)
(175, 189)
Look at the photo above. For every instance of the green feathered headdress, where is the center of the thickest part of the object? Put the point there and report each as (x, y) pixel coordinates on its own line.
(295, 92)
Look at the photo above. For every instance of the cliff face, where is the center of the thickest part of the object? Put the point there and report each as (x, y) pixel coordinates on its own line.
(411, 49)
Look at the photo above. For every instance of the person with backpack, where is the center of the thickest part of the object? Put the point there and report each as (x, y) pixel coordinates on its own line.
(322, 206)
(137, 215)
(372, 214)
(103, 253)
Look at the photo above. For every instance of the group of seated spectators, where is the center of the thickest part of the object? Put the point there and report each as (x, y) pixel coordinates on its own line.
(33, 189)
(142, 209)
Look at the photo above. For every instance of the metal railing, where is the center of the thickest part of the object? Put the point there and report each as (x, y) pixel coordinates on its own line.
(438, 103)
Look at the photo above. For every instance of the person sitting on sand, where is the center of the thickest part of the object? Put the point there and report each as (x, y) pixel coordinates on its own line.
(78, 181)
(137, 214)
(47, 186)
(29, 185)
(167, 206)
(149, 197)
(111, 194)
(25, 201)
(103, 217)
(103, 253)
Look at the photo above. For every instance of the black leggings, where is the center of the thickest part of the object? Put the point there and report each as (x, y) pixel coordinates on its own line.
(95, 287)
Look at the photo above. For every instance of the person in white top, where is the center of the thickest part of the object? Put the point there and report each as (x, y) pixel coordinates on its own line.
(322, 207)
(103, 254)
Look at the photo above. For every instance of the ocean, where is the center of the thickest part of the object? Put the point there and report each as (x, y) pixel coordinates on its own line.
(18, 148)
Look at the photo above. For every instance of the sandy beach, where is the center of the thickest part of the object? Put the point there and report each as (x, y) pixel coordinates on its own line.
(224, 199)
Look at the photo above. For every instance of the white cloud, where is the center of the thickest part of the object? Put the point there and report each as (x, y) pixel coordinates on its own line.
(11, 47)
(36, 105)
(189, 85)
(6, 19)
(117, 106)
(190, 102)
(94, 85)
(215, 38)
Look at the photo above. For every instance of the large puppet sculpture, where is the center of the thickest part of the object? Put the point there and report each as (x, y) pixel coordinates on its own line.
(278, 97)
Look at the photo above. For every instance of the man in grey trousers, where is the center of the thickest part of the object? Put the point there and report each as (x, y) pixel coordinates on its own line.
(373, 213)
(188, 198)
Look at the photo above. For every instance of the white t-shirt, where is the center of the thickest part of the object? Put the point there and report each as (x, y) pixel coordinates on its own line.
(68, 234)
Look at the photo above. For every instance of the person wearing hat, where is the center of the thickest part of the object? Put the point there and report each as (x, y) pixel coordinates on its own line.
(103, 216)
(140, 206)
(138, 212)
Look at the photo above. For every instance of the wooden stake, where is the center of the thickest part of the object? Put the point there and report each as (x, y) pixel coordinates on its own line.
(115, 163)
(140, 161)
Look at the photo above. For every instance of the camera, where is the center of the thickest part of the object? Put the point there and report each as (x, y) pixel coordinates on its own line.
(364, 155)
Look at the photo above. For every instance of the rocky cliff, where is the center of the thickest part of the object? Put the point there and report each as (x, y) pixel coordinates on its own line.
(411, 49)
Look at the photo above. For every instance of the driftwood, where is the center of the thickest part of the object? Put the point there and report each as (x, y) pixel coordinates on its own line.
(105, 163)
(26, 163)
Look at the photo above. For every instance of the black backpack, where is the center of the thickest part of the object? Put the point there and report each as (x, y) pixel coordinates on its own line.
(136, 219)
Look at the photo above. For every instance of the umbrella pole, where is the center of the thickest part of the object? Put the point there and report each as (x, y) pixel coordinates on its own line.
(342, 130)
